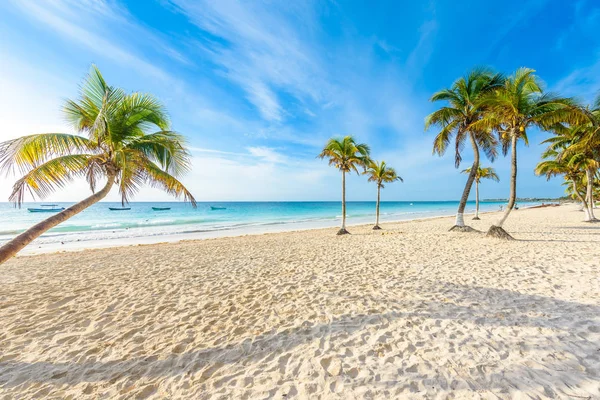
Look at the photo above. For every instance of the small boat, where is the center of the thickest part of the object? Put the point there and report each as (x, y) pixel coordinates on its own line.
(119, 208)
(217, 208)
(161, 208)
(47, 208)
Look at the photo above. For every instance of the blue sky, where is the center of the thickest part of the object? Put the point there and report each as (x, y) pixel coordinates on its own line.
(259, 86)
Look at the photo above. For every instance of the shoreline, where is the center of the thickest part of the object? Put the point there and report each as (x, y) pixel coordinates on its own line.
(79, 246)
(219, 234)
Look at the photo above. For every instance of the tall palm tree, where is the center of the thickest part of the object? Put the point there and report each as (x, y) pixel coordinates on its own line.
(380, 173)
(482, 173)
(456, 120)
(572, 153)
(585, 147)
(346, 155)
(554, 165)
(117, 147)
(514, 108)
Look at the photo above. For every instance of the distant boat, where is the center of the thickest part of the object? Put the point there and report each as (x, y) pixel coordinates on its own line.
(47, 208)
(217, 208)
(119, 208)
(161, 208)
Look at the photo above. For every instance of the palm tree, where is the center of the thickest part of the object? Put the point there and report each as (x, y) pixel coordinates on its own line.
(116, 147)
(584, 148)
(554, 165)
(346, 155)
(380, 173)
(464, 108)
(482, 173)
(572, 153)
(518, 105)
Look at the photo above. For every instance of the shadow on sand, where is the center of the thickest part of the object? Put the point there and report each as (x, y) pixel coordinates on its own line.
(577, 326)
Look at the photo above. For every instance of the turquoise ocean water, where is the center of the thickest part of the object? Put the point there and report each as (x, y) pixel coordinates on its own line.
(98, 223)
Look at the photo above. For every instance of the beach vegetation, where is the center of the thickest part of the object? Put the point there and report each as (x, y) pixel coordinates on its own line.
(380, 173)
(481, 173)
(123, 141)
(346, 155)
(456, 120)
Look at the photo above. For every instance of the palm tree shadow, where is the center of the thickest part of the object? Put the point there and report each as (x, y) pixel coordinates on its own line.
(578, 325)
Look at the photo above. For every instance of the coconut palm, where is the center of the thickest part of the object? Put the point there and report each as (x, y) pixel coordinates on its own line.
(456, 120)
(346, 155)
(482, 173)
(554, 165)
(572, 153)
(514, 108)
(117, 148)
(380, 173)
(584, 148)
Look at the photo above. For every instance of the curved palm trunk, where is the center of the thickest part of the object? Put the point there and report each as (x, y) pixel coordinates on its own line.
(476, 217)
(343, 230)
(589, 173)
(15, 245)
(584, 203)
(497, 230)
(460, 221)
(377, 227)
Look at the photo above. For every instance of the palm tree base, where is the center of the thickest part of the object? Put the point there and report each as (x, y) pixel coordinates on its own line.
(476, 218)
(593, 220)
(499, 233)
(376, 228)
(465, 228)
(342, 232)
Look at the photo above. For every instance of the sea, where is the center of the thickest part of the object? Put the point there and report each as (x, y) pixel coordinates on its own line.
(98, 226)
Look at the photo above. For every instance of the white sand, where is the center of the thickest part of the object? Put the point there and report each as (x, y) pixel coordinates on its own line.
(415, 312)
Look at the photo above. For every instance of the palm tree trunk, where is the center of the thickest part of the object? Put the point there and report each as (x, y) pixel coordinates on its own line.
(497, 230)
(583, 201)
(343, 230)
(460, 221)
(589, 173)
(15, 245)
(377, 227)
(476, 200)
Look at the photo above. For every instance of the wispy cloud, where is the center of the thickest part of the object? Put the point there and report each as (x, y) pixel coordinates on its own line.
(74, 20)
(260, 49)
(268, 155)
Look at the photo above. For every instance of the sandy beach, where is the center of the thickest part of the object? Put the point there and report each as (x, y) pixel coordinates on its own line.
(413, 311)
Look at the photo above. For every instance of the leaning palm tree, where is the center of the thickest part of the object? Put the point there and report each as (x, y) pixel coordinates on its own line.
(117, 147)
(346, 155)
(554, 165)
(584, 147)
(482, 173)
(456, 119)
(514, 108)
(573, 153)
(380, 173)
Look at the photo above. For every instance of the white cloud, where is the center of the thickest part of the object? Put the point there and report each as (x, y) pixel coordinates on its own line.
(76, 24)
(268, 155)
(263, 52)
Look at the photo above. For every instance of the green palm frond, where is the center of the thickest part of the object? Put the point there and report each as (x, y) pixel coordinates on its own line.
(122, 140)
(464, 109)
(483, 173)
(49, 176)
(165, 148)
(345, 154)
(157, 178)
(381, 173)
(30, 151)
